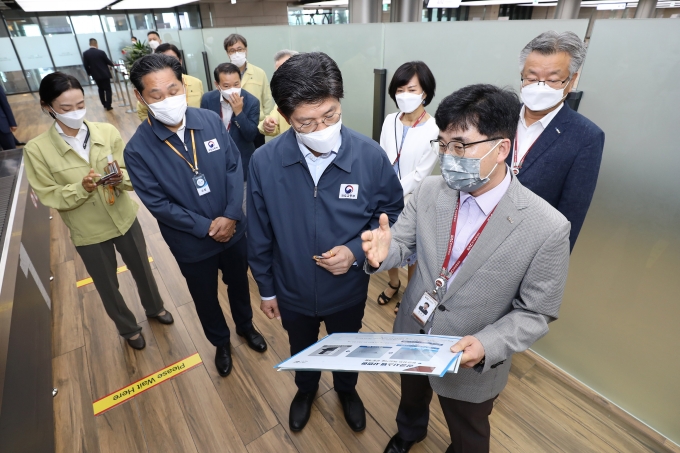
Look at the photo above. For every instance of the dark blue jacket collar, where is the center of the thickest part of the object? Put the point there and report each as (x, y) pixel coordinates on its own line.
(291, 151)
(193, 121)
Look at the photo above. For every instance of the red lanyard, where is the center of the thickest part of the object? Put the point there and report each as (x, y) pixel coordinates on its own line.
(515, 166)
(445, 274)
(422, 115)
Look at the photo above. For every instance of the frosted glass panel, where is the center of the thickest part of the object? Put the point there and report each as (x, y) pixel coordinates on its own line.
(357, 49)
(8, 58)
(619, 325)
(192, 46)
(33, 52)
(117, 40)
(463, 53)
(263, 43)
(213, 40)
(171, 36)
(64, 50)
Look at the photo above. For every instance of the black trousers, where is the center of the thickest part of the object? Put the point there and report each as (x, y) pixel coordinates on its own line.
(105, 94)
(259, 140)
(468, 422)
(201, 278)
(303, 331)
(7, 141)
(100, 262)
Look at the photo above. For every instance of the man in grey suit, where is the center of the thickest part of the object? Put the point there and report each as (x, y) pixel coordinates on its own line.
(492, 264)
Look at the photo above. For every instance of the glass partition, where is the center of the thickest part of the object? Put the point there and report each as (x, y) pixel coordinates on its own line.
(30, 46)
(63, 46)
(189, 17)
(192, 48)
(11, 76)
(117, 34)
(357, 49)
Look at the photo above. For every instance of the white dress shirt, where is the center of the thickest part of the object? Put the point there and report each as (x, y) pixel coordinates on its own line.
(472, 213)
(527, 135)
(181, 130)
(78, 141)
(227, 112)
(316, 165)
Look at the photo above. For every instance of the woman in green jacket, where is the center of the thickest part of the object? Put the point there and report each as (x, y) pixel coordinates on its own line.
(64, 166)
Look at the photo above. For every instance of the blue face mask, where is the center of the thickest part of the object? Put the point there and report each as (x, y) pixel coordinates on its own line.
(462, 173)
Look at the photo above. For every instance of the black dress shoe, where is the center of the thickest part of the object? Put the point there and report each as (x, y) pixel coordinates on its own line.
(223, 359)
(165, 318)
(300, 410)
(255, 340)
(138, 343)
(353, 407)
(399, 445)
(109, 108)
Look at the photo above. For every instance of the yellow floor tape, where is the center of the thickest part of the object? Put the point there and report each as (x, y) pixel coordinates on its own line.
(148, 382)
(88, 280)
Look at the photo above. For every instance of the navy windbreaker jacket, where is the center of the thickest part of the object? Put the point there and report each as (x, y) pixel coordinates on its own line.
(290, 220)
(163, 181)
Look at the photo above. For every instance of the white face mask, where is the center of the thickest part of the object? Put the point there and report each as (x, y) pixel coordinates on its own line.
(408, 102)
(73, 119)
(539, 97)
(321, 141)
(170, 111)
(239, 58)
(226, 94)
(154, 44)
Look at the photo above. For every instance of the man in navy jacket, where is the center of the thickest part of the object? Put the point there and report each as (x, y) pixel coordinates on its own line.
(238, 109)
(312, 191)
(557, 152)
(187, 172)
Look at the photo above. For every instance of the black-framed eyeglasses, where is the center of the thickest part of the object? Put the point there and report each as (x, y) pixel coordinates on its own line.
(555, 84)
(455, 147)
(309, 127)
(233, 51)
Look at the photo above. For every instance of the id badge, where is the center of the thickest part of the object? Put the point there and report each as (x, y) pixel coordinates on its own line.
(201, 184)
(424, 308)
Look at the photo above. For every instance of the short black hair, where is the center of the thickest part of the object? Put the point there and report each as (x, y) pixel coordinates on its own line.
(55, 84)
(226, 68)
(167, 46)
(306, 78)
(153, 63)
(405, 73)
(493, 111)
(93, 41)
(135, 38)
(152, 32)
(233, 39)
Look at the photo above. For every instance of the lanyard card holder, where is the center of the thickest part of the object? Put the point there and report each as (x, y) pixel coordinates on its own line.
(424, 308)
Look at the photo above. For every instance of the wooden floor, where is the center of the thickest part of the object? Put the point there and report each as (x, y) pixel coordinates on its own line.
(541, 410)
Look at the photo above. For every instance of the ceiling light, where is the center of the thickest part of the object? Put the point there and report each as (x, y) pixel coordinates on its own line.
(62, 5)
(610, 6)
(150, 4)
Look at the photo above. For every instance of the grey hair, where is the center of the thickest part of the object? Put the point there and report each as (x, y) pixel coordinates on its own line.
(284, 53)
(551, 42)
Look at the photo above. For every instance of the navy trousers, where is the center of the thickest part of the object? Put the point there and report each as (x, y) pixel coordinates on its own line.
(303, 331)
(201, 279)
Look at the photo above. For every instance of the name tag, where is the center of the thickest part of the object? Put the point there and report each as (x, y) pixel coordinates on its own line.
(349, 191)
(201, 184)
(211, 145)
(424, 308)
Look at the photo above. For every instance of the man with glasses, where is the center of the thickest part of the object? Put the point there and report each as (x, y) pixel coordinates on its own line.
(253, 79)
(492, 265)
(311, 192)
(556, 151)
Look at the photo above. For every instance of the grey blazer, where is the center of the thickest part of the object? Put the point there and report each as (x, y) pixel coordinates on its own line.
(506, 292)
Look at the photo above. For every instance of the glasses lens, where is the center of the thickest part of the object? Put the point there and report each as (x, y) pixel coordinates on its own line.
(331, 120)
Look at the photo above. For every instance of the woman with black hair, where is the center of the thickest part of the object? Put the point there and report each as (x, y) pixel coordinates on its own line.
(64, 166)
(405, 137)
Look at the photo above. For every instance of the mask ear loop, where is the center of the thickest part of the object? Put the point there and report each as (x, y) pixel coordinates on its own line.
(494, 167)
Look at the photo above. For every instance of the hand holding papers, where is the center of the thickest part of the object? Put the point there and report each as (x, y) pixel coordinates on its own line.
(379, 353)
